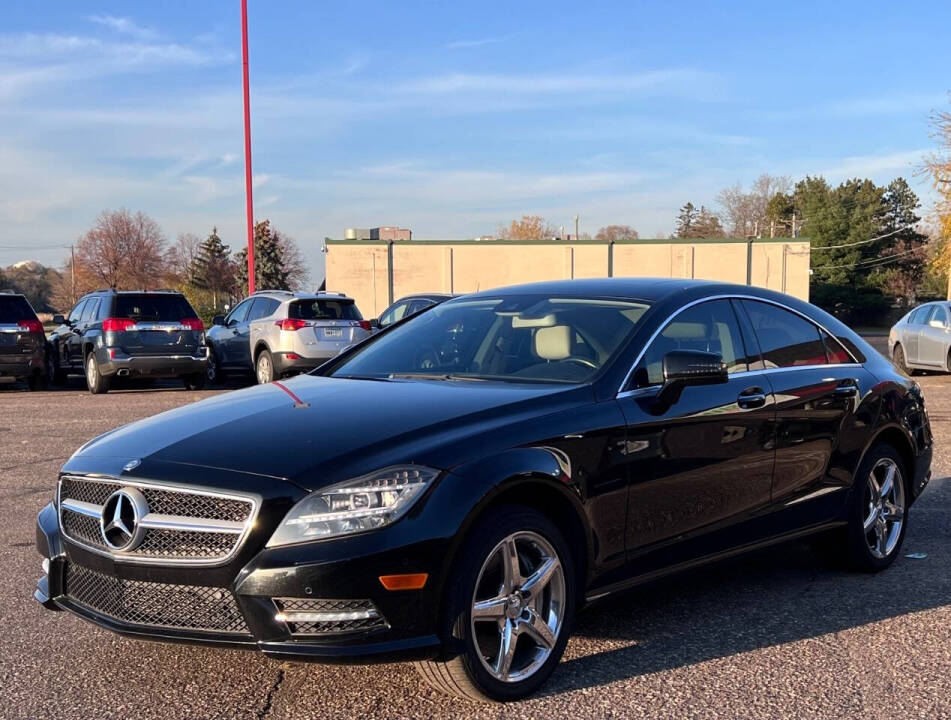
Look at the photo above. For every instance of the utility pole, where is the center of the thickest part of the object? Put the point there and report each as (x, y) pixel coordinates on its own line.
(794, 224)
(247, 143)
(577, 218)
(772, 228)
(72, 272)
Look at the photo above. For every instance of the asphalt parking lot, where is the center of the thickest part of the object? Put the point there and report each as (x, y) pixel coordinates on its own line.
(783, 633)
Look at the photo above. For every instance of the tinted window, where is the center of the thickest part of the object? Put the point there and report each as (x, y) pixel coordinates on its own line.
(920, 316)
(262, 307)
(324, 310)
(709, 326)
(785, 339)
(939, 316)
(239, 313)
(89, 312)
(393, 313)
(516, 338)
(153, 307)
(836, 354)
(77, 311)
(14, 308)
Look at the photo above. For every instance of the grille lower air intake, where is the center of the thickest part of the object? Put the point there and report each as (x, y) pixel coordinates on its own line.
(151, 604)
(181, 526)
(304, 616)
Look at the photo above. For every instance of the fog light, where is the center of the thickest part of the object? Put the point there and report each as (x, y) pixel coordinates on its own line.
(46, 566)
(313, 616)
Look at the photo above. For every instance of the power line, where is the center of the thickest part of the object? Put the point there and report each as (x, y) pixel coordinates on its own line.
(868, 263)
(862, 242)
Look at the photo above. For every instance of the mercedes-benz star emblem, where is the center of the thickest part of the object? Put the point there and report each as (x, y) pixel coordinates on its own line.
(120, 522)
(131, 465)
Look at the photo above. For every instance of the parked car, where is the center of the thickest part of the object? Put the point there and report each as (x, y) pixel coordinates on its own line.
(574, 439)
(922, 339)
(407, 306)
(275, 333)
(22, 341)
(117, 334)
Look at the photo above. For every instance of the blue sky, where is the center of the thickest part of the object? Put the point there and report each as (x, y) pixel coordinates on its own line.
(449, 118)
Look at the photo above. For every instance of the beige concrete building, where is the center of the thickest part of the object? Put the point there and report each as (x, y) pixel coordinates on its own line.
(376, 272)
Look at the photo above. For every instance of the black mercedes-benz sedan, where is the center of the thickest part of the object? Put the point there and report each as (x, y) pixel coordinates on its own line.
(453, 490)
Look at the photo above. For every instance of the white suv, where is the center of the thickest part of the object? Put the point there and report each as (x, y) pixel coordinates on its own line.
(278, 332)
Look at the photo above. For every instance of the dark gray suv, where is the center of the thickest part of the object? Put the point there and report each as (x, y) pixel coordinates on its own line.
(110, 334)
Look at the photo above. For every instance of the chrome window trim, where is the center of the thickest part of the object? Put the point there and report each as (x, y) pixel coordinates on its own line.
(627, 378)
(161, 522)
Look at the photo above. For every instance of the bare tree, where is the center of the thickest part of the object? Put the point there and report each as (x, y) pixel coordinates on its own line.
(180, 257)
(122, 250)
(746, 212)
(294, 264)
(616, 233)
(530, 227)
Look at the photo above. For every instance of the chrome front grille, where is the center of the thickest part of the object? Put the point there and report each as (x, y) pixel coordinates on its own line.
(151, 604)
(305, 616)
(181, 525)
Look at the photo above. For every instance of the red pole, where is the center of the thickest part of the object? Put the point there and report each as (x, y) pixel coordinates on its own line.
(247, 143)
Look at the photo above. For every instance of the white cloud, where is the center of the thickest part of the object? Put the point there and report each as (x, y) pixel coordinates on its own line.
(876, 165)
(123, 25)
(481, 42)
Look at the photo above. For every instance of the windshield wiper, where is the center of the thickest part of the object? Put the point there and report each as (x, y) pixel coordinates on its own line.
(377, 378)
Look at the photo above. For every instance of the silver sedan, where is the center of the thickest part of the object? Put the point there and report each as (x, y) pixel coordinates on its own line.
(922, 339)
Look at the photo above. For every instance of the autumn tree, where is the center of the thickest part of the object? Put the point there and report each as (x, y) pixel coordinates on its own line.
(616, 233)
(530, 227)
(122, 251)
(180, 258)
(939, 166)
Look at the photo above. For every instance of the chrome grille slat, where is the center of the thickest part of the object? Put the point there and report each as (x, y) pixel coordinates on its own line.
(151, 604)
(182, 526)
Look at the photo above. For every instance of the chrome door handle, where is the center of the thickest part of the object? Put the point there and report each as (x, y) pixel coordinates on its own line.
(751, 398)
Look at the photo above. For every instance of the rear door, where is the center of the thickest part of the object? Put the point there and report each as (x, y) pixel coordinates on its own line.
(817, 393)
(161, 324)
(933, 338)
(705, 464)
(20, 331)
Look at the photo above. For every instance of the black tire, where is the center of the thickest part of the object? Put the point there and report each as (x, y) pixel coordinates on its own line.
(264, 368)
(97, 383)
(898, 358)
(55, 374)
(463, 674)
(195, 381)
(213, 372)
(33, 381)
(859, 554)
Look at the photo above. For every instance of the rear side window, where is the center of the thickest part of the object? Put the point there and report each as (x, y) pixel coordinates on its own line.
(157, 308)
(14, 308)
(324, 310)
(836, 354)
(785, 339)
(709, 326)
(262, 307)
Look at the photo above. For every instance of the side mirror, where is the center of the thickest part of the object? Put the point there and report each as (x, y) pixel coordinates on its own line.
(937, 324)
(58, 320)
(683, 368)
(375, 323)
(218, 320)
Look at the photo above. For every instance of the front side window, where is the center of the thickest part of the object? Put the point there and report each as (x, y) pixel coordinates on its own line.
(939, 318)
(709, 327)
(239, 313)
(89, 312)
(393, 314)
(518, 338)
(785, 339)
(77, 312)
(921, 315)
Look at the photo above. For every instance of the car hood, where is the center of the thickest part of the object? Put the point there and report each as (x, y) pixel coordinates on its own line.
(313, 431)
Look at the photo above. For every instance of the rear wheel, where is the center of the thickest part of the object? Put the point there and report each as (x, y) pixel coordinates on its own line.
(264, 368)
(95, 381)
(509, 609)
(878, 514)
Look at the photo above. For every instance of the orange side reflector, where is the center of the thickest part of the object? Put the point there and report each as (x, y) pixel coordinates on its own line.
(409, 581)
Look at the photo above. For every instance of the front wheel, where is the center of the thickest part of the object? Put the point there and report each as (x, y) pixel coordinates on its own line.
(264, 368)
(878, 512)
(509, 610)
(95, 381)
(54, 373)
(213, 371)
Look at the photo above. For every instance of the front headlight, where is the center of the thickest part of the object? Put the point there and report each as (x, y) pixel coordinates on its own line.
(364, 503)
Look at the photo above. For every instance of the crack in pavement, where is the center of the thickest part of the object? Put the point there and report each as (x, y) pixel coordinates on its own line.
(265, 711)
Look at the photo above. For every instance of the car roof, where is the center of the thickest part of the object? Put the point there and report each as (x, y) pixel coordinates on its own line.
(427, 296)
(291, 295)
(647, 289)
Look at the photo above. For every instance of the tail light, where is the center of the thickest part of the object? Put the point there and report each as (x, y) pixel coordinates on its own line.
(365, 324)
(193, 324)
(291, 324)
(33, 326)
(117, 324)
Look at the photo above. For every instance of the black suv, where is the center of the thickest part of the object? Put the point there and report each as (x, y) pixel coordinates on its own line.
(109, 334)
(22, 340)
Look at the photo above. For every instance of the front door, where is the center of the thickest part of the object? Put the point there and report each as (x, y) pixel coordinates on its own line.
(705, 463)
(235, 330)
(933, 340)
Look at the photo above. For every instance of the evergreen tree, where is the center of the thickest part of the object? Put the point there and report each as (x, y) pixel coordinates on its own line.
(269, 269)
(904, 276)
(212, 269)
(686, 220)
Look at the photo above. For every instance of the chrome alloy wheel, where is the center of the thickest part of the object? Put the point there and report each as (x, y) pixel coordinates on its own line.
(518, 606)
(91, 370)
(885, 509)
(264, 369)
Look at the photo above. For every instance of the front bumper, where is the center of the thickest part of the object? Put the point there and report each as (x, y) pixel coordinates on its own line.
(343, 569)
(157, 366)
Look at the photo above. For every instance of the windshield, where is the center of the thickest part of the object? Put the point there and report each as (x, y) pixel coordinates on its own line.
(521, 338)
